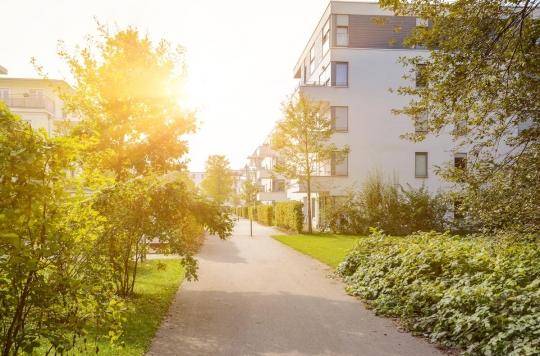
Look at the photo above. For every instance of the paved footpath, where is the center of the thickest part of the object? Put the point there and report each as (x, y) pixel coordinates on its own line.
(256, 296)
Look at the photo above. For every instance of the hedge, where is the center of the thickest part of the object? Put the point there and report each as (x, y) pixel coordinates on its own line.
(252, 212)
(480, 294)
(265, 214)
(289, 215)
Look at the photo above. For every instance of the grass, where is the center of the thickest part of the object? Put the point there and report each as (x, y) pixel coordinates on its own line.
(154, 292)
(327, 248)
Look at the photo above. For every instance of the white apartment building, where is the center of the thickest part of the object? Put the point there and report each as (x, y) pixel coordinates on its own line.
(36, 101)
(272, 186)
(351, 62)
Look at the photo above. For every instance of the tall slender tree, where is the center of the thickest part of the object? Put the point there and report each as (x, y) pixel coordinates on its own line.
(302, 140)
(218, 180)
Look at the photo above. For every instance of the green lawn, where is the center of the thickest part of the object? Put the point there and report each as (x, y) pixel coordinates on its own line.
(154, 292)
(327, 248)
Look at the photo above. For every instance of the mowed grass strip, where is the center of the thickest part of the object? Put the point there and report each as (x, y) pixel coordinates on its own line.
(157, 283)
(327, 248)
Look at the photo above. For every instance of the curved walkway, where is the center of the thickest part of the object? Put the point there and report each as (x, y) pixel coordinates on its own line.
(256, 296)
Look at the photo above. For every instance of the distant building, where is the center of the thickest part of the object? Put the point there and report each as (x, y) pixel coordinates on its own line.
(197, 177)
(36, 101)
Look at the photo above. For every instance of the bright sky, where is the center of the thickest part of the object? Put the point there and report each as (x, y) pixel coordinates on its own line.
(240, 55)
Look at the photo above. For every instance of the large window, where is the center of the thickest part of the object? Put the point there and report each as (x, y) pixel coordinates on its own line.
(340, 118)
(421, 123)
(420, 76)
(421, 164)
(324, 77)
(326, 37)
(342, 30)
(340, 166)
(340, 74)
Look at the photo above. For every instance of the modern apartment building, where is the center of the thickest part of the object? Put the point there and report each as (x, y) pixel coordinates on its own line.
(272, 186)
(351, 62)
(36, 101)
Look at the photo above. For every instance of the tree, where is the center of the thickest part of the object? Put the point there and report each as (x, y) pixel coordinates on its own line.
(54, 286)
(127, 91)
(249, 192)
(302, 140)
(218, 180)
(480, 82)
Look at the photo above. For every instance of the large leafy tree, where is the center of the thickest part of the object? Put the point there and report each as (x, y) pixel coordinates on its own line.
(481, 83)
(54, 285)
(218, 180)
(302, 140)
(127, 91)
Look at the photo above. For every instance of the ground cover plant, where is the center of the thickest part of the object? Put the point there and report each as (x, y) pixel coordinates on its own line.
(478, 293)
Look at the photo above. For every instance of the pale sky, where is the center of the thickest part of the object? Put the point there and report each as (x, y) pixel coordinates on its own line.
(240, 55)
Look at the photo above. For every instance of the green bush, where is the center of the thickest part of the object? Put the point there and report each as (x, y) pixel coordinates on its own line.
(395, 209)
(289, 215)
(252, 213)
(265, 214)
(480, 294)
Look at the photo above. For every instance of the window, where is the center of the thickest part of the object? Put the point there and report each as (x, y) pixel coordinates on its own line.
(326, 37)
(420, 76)
(340, 118)
(4, 94)
(340, 73)
(340, 167)
(324, 77)
(460, 161)
(421, 164)
(420, 123)
(312, 60)
(342, 30)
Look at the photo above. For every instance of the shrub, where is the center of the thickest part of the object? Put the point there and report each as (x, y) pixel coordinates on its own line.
(265, 214)
(395, 209)
(481, 294)
(252, 212)
(289, 215)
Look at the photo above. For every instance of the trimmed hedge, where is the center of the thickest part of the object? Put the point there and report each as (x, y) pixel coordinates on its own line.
(289, 215)
(480, 294)
(265, 214)
(242, 211)
(252, 212)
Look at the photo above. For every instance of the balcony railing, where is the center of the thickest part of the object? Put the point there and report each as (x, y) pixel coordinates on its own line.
(326, 83)
(30, 102)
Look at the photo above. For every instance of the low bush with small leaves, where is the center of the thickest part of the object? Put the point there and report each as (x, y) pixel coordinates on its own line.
(289, 215)
(480, 294)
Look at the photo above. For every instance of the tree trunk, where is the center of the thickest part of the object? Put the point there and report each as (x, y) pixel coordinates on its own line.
(310, 227)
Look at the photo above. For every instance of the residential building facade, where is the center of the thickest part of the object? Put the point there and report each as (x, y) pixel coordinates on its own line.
(351, 61)
(37, 102)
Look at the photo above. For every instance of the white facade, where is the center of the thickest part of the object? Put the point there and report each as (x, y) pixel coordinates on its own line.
(356, 82)
(37, 102)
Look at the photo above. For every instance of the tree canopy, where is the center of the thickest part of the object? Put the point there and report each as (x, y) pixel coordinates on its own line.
(480, 83)
(218, 180)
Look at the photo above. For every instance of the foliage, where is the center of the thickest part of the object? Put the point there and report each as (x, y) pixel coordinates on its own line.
(479, 293)
(160, 209)
(54, 286)
(127, 90)
(481, 84)
(289, 215)
(395, 209)
(218, 180)
(249, 192)
(242, 211)
(327, 248)
(302, 141)
(265, 214)
(252, 212)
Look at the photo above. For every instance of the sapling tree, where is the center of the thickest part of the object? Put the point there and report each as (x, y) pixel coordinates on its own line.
(303, 142)
(218, 180)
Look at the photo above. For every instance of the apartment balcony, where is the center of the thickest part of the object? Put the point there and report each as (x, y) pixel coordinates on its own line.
(272, 196)
(30, 102)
